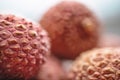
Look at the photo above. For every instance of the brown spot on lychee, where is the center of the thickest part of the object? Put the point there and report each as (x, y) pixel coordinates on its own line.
(88, 25)
(32, 34)
(4, 23)
(20, 27)
(18, 34)
(24, 41)
(27, 48)
(12, 41)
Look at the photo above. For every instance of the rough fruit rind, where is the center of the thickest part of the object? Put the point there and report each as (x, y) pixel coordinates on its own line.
(98, 64)
(23, 47)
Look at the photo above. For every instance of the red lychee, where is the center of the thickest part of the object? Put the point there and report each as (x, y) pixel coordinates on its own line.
(72, 27)
(23, 47)
(52, 70)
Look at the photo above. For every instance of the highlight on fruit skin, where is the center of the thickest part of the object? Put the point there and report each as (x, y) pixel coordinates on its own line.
(72, 27)
(97, 64)
(23, 48)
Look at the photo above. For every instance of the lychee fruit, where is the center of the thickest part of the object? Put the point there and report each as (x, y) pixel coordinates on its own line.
(97, 64)
(23, 48)
(52, 70)
(72, 27)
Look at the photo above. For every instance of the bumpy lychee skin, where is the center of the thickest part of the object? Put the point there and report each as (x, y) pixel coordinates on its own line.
(23, 47)
(98, 64)
(52, 70)
(72, 28)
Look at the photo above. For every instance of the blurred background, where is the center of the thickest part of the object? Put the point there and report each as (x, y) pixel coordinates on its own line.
(107, 10)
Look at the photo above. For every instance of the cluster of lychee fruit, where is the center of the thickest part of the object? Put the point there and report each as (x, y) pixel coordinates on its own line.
(29, 51)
